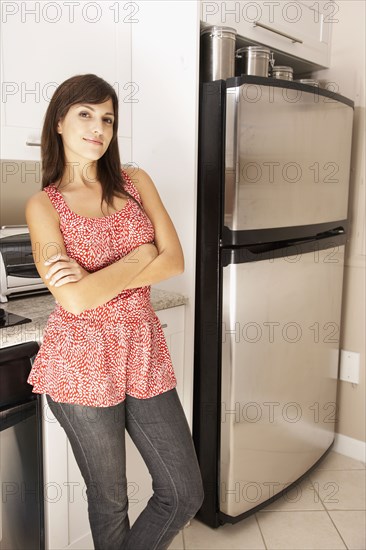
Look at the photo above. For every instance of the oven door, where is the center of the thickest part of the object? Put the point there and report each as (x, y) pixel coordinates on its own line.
(21, 477)
(21, 458)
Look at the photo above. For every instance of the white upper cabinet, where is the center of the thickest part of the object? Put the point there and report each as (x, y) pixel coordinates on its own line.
(43, 44)
(299, 28)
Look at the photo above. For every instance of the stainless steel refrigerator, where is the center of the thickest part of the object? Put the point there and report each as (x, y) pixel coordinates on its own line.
(273, 183)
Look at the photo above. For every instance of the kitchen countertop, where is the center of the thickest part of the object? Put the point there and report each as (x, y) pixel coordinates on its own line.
(38, 308)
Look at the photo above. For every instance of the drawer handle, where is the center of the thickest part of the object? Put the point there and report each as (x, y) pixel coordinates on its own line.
(164, 325)
(292, 38)
(20, 265)
(33, 144)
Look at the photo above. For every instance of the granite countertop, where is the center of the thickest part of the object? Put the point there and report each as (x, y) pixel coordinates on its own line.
(38, 308)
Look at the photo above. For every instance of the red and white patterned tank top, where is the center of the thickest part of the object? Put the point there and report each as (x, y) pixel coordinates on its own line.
(96, 357)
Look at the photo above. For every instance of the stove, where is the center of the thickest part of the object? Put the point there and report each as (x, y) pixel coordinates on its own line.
(8, 319)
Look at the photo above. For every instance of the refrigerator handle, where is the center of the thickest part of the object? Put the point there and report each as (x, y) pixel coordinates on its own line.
(283, 249)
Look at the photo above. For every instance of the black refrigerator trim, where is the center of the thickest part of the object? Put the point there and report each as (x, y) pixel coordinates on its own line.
(287, 84)
(207, 384)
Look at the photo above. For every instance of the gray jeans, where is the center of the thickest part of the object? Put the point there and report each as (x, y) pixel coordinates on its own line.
(160, 431)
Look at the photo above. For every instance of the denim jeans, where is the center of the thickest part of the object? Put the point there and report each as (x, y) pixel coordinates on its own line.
(160, 431)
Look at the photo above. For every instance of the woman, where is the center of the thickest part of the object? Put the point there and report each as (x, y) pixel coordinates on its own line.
(104, 238)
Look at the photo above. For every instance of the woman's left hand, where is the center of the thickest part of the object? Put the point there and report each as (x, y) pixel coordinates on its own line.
(64, 270)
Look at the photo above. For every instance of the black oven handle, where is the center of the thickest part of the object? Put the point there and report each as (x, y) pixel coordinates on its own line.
(13, 415)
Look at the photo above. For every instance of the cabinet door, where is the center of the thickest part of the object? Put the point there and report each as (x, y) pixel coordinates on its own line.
(43, 44)
(66, 508)
(138, 477)
(172, 321)
(298, 28)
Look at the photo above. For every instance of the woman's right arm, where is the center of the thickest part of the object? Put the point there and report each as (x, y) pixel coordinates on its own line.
(95, 288)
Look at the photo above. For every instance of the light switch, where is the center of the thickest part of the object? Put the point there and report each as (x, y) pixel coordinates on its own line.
(350, 366)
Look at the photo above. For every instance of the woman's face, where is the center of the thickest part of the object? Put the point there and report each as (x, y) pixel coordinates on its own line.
(87, 130)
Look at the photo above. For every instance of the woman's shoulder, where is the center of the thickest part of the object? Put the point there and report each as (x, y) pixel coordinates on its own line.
(39, 202)
(133, 171)
(38, 198)
(139, 178)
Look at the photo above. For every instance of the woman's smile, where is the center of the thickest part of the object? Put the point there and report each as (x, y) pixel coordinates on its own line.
(93, 141)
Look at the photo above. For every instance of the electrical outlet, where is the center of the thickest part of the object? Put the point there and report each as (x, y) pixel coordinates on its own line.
(350, 367)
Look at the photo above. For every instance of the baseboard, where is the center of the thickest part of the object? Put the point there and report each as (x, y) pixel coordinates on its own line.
(350, 447)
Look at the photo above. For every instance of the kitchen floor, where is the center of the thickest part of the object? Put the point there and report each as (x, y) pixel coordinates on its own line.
(326, 511)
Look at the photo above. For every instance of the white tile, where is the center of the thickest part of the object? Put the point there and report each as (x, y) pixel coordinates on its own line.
(336, 461)
(309, 530)
(244, 535)
(301, 497)
(340, 490)
(177, 543)
(352, 527)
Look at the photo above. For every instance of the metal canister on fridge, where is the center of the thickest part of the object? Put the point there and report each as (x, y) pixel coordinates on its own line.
(217, 53)
(253, 60)
(282, 72)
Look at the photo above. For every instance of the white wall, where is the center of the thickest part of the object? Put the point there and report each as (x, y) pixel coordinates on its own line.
(165, 66)
(348, 73)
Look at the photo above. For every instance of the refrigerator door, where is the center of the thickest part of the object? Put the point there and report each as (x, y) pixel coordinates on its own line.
(280, 347)
(287, 157)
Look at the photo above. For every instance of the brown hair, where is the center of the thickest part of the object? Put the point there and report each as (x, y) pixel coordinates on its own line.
(87, 88)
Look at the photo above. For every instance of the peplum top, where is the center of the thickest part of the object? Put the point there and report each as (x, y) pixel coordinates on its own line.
(97, 357)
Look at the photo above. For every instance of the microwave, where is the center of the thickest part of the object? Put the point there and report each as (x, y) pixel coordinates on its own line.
(18, 273)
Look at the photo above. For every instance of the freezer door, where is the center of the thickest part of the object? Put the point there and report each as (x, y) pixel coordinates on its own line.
(287, 157)
(280, 348)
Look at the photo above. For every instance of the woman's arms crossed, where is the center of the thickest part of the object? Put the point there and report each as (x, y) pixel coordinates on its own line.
(80, 290)
(92, 289)
(170, 259)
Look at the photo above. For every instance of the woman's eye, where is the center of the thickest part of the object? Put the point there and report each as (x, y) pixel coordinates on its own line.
(108, 120)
